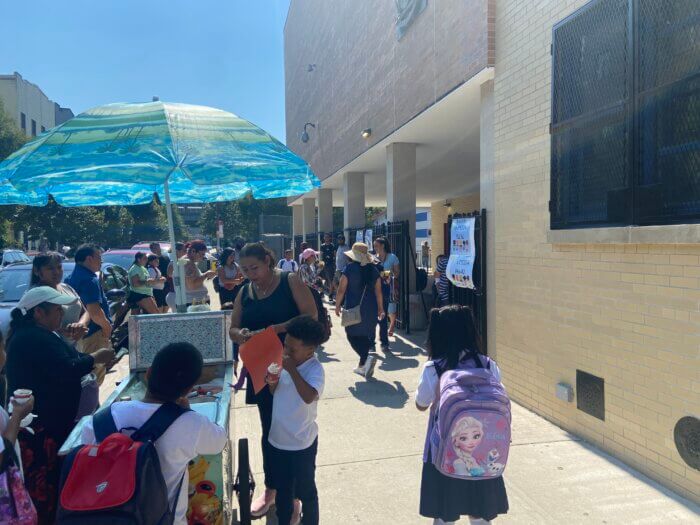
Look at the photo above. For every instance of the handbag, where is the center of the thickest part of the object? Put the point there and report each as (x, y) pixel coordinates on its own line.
(352, 316)
(16, 507)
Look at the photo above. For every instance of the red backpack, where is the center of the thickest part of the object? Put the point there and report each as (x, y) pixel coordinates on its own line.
(118, 481)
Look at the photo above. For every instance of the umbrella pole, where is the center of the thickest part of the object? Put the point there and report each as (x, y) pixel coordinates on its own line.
(178, 274)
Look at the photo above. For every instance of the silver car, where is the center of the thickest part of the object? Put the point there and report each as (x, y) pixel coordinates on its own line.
(14, 281)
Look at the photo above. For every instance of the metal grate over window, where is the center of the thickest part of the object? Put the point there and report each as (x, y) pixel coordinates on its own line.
(626, 114)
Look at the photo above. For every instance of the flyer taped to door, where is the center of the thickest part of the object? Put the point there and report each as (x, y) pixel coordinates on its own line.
(462, 253)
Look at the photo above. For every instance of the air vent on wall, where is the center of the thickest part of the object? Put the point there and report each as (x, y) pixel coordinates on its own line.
(590, 394)
(686, 434)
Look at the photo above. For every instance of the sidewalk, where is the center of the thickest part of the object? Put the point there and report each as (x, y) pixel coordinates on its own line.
(370, 448)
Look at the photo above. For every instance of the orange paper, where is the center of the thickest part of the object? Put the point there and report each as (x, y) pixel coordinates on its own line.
(258, 353)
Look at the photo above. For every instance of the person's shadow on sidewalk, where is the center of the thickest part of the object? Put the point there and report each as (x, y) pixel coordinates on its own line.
(392, 363)
(380, 393)
(401, 348)
(325, 357)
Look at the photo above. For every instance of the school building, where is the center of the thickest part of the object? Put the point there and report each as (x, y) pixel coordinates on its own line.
(575, 126)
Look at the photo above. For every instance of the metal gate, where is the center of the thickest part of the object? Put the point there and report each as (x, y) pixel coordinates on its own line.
(476, 298)
(397, 233)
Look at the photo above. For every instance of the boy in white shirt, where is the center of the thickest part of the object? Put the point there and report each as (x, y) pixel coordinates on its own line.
(175, 370)
(288, 264)
(294, 432)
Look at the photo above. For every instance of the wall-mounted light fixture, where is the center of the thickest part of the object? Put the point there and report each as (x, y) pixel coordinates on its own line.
(310, 68)
(447, 204)
(366, 133)
(305, 134)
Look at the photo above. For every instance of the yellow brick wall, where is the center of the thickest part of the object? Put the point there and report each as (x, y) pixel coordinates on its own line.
(627, 313)
(438, 217)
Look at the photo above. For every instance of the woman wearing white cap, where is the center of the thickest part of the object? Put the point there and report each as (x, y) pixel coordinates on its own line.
(38, 359)
(360, 285)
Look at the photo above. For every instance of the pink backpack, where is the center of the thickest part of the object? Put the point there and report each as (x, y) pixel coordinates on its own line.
(470, 433)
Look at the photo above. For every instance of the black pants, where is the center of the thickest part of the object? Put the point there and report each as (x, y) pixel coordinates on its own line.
(264, 402)
(295, 477)
(384, 323)
(361, 344)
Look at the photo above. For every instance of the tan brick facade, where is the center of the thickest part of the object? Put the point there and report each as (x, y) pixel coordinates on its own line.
(625, 312)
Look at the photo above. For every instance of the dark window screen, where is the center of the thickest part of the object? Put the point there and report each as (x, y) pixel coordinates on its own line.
(626, 114)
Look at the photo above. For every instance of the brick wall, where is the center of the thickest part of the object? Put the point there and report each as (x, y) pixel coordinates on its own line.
(628, 313)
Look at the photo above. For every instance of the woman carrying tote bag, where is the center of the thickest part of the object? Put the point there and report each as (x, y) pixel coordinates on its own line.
(360, 287)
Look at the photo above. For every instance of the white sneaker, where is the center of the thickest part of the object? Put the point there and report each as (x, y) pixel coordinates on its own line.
(360, 371)
(369, 366)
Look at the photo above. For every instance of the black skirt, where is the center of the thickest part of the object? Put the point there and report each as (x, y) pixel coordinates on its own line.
(449, 498)
(134, 297)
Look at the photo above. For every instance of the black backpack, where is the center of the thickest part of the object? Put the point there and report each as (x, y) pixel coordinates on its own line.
(119, 481)
(323, 316)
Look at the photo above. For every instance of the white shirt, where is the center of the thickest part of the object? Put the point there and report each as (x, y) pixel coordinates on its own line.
(429, 381)
(294, 421)
(288, 266)
(191, 435)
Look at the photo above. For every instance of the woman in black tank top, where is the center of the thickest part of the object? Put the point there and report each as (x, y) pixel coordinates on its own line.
(271, 298)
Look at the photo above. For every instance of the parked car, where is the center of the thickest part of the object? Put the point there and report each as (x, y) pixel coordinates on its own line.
(14, 257)
(123, 258)
(14, 281)
(146, 246)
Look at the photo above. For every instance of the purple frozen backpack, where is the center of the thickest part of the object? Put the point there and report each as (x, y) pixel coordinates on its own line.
(470, 432)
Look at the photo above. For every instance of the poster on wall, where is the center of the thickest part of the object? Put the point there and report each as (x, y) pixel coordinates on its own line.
(368, 238)
(462, 253)
(359, 237)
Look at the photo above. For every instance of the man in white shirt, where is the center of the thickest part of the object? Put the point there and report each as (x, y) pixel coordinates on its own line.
(294, 432)
(175, 370)
(288, 264)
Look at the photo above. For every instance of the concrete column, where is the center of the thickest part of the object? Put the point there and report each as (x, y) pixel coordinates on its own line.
(297, 220)
(401, 190)
(325, 210)
(353, 203)
(309, 215)
(488, 201)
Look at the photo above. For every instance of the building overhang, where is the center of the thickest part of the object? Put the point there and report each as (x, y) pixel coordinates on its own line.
(447, 154)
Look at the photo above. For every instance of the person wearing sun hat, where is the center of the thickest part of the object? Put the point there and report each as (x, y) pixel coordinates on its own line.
(360, 285)
(38, 359)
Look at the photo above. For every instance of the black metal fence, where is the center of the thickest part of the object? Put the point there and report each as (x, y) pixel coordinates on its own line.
(397, 233)
(476, 298)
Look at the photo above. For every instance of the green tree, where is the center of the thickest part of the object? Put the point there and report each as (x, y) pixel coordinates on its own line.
(62, 226)
(241, 218)
(11, 139)
(150, 222)
(118, 227)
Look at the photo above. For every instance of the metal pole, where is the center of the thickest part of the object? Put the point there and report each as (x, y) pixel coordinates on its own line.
(178, 274)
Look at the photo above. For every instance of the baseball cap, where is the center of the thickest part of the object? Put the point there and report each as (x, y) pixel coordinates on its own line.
(43, 294)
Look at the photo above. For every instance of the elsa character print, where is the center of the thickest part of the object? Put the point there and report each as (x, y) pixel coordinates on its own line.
(466, 436)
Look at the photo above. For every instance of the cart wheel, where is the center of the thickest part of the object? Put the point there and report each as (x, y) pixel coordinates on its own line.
(244, 485)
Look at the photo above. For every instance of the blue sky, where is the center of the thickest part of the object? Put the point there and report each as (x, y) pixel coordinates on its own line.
(222, 53)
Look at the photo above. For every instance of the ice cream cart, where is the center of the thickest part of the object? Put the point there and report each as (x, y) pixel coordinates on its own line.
(210, 477)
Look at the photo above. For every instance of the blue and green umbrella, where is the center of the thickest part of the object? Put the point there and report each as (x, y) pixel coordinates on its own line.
(121, 154)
